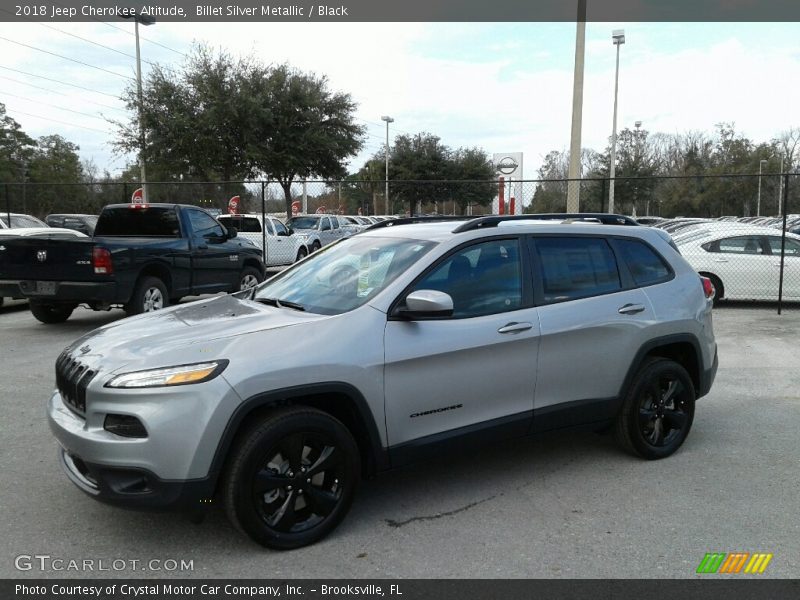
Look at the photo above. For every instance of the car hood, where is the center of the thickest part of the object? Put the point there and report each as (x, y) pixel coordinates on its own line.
(205, 323)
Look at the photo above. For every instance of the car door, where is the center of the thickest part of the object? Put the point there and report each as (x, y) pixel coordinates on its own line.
(214, 260)
(288, 244)
(474, 369)
(326, 235)
(590, 326)
(744, 266)
(791, 266)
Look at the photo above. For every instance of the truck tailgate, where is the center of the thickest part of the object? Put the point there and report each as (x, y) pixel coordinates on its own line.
(39, 259)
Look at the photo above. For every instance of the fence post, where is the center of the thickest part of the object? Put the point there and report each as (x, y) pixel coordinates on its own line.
(603, 195)
(125, 197)
(783, 240)
(8, 205)
(264, 222)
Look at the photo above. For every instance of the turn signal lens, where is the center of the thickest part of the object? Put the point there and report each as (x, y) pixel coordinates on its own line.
(178, 375)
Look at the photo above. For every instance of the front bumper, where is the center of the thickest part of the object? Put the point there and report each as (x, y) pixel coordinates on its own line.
(169, 468)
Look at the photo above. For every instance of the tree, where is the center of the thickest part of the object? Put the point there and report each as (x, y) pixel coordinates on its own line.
(416, 162)
(476, 169)
(199, 120)
(55, 161)
(304, 129)
(16, 149)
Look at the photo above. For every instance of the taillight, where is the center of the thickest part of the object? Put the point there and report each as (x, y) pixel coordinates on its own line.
(708, 287)
(101, 260)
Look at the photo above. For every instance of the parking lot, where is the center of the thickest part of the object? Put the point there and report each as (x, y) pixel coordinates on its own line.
(560, 506)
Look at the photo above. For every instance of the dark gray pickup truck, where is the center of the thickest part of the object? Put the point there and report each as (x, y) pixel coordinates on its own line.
(142, 257)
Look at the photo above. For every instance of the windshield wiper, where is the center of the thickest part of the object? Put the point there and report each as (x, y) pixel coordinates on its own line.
(280, 303)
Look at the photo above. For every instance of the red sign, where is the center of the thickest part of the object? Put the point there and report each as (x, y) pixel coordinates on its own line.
(322, 210)
(233, 205)
(295, 207)
(137, 197)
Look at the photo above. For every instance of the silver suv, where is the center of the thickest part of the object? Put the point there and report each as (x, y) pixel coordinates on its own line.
(398, 342)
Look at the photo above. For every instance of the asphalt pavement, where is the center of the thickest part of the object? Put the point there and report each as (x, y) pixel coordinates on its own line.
(561, 506)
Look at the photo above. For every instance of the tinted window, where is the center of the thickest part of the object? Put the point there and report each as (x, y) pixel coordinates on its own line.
(646, 267)
(152, 221)
(243, 224)
(482, 279)
(303, 222)
(576, 268)
(280, 228)
(745, 244)
(325, 225)
(792, 246)
(203, 224)
(335, 222)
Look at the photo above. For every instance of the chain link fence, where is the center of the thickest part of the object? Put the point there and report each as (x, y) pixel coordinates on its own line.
(729, 227)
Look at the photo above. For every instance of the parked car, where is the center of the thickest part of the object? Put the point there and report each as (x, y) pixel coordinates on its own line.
(743, 262)
(283, 246)
(14, 220)
(319, 230)
(142, 257)
(83, 223)
(444, 335)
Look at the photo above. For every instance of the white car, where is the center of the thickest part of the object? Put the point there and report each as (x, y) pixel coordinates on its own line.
(283, 247)
(16, 220)
(743, 261)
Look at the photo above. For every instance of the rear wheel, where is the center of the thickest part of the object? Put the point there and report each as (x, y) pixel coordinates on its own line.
(315, 246)
(291, 478)
(150, 294)
(301, 253)
(50, 313)
(658, 410)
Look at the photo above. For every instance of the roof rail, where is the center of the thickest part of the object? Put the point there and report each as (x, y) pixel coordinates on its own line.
(410, 220)
(494, 220)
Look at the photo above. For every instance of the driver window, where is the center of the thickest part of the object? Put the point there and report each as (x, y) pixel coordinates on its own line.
(204, 225)
(280, 228)
(482, 279)
(325, 225)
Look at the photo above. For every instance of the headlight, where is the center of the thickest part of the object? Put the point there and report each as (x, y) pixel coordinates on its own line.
(177, 375)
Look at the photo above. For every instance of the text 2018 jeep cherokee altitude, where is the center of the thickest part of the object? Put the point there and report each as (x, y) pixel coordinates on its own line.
(397, 342)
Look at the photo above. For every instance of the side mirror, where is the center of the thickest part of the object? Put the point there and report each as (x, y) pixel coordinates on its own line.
(426, 304)
(283, 233)
(232, 232)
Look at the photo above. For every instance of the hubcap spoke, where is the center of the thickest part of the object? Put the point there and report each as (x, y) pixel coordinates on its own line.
(675, 419)
(328, 458)
(657, 437)
(646, 417)
(674, 388)
(323, 502)
(266, 481)
(291, 448)
(284, 518)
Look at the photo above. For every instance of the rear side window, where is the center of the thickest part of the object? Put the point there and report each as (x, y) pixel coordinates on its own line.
(151, 221)
(576, 267)
(646, 267)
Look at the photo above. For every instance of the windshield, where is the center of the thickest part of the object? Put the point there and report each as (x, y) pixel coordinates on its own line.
(343, 276)
(303, 222)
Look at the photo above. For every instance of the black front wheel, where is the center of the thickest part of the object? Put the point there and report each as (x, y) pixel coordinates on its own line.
(50, 313)
(658, 410)
(291, 479)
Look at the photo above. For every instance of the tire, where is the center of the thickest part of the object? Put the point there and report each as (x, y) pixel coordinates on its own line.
(149, 295)
(250, 277)
(661, 396)
(302, 252)
(279, 516)
(719, 289)
(51, 313)
(315, 246)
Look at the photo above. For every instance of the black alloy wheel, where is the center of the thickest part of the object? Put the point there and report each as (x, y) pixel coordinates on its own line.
(658, 410)
(290, 479)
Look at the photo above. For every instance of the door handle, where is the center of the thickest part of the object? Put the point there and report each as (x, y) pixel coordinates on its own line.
(631, 309)
(721, 260)
(515, 327)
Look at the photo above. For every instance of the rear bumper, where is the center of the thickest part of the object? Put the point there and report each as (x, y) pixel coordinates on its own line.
(707, 376)
(65, 291)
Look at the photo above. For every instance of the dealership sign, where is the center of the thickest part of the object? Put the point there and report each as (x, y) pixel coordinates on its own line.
(508, 165)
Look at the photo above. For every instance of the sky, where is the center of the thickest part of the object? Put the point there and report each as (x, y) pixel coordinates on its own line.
(503, 87)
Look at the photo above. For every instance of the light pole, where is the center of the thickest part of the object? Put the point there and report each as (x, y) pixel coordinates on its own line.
(388, 120)
(780, 188)
(758, 202)
(573, 185)
(144, 20)
(618, 36)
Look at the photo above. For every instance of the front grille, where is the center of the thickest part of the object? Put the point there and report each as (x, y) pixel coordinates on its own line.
(72, 378)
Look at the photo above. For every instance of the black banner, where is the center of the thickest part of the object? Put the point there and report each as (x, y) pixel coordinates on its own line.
(417, 589)
(404, 11)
